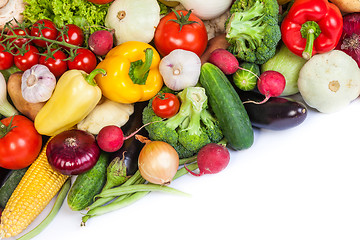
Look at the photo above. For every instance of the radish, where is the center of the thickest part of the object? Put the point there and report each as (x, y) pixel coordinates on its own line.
(224, 60)
(212, 158)
(100, 42)
(271, 84)
(111, 138)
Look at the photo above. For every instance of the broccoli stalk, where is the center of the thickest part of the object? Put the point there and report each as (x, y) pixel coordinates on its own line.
(253, 30)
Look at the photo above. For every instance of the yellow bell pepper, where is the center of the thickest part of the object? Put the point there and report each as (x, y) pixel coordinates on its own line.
(132, 73)
(75, 96)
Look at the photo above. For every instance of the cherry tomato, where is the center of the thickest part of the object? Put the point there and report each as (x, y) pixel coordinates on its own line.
(100, 1)
(29, 59)
(57, 66)
(191, 37)
(6, 59)
(19, 32)
(74, 35)
(19, 145)
(165, 105)
(48, 30)
(85, 60)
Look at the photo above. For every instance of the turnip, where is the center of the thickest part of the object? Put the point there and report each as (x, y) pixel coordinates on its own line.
(212, 158)
(100, 42)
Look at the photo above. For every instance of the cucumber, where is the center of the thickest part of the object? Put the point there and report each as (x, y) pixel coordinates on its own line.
(10, 184)
(227, 107)
(88, 184)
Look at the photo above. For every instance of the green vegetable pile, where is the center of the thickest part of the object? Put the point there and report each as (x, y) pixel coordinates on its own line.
(79, 12)
(190, 129)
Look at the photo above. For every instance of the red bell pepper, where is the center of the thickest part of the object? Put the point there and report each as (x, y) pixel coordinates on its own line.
(312, 26)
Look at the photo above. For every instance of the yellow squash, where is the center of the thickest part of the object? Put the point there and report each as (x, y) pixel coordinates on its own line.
(132, 73)
(75, 96)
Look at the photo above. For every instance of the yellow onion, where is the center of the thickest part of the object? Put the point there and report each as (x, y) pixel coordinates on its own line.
(158, 162)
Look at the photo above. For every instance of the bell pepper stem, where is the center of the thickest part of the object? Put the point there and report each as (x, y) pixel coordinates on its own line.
(141, 70)
(309, 30)
(90, 77)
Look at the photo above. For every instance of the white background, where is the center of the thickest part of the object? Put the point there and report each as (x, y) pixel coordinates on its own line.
(301, 183)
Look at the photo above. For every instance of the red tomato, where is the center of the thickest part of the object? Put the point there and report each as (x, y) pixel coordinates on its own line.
(100, 1)
(165, 105)
(19, 32)
(85, 60)
(29, 59)
(6, 59)
(19, 145)
(48, 30)
(57, 66)
(191, 37)
(74, 35)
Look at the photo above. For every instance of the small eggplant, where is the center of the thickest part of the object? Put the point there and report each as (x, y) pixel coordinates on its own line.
(4, 173)
(278, 113)
(131, 149)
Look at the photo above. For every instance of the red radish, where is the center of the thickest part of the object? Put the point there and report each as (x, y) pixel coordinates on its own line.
(100, 42)
(212, 158)
(224, 60)
(271, 84)
(111, 138)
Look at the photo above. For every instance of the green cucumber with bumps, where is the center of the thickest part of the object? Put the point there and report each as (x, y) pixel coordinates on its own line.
(88, 184)
(227, 107)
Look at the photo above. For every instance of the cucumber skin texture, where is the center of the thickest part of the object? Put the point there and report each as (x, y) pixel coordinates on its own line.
(10, 184)
(227, 106)
(88, 184)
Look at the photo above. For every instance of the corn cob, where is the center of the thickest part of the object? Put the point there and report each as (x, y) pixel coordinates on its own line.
(34, 192)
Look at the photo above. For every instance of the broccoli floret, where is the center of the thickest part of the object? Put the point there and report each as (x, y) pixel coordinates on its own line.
(253, 30)
(190, 129)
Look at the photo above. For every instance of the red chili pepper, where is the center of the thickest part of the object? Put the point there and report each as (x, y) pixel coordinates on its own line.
(312, 26)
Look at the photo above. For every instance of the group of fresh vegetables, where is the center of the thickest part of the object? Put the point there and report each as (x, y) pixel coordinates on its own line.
(126, 96)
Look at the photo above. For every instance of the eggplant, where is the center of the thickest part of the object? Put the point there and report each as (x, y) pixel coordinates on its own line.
(278, 113)
(131, 148)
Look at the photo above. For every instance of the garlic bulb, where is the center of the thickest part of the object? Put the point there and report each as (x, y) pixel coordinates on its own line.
(37, 84)
(180, 69)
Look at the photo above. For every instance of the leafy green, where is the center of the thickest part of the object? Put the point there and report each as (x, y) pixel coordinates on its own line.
(79, 12)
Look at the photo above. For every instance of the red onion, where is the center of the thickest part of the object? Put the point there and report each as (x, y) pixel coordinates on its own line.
(350, 38)
(72, 152)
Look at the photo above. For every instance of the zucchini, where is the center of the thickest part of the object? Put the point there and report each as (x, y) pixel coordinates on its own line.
(11, 182)
(227, 107)
(88, 184)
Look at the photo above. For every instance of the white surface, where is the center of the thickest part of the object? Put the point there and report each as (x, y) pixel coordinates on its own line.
(301, 183)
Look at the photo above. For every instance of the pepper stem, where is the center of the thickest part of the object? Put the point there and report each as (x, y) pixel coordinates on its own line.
(309, 30)
(139, 70)
(90, 77)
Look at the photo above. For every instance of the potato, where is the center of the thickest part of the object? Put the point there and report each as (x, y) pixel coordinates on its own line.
(347, 6)
(30, 110)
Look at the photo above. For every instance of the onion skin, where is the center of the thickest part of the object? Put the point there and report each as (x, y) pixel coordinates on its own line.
(158, 162)
(350, 38)
(72, 152)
